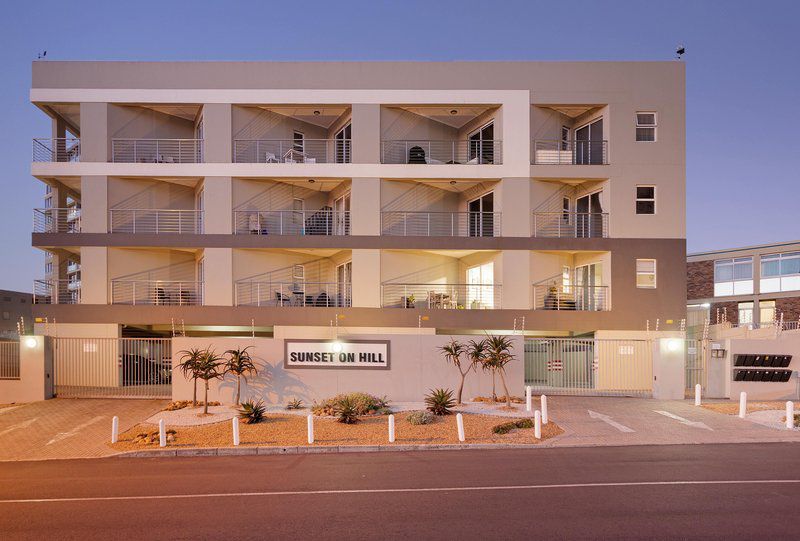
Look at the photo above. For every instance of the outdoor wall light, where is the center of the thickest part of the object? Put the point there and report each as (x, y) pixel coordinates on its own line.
(316, 113)
(337, 347)
(705, 305)
(453, 111)
(31, 342)
(673, 344)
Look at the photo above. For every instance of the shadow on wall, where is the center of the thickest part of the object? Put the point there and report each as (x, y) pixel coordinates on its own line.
(273, 384)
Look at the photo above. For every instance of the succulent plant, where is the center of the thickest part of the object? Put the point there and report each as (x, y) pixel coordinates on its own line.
(440, 401)
(252, 412)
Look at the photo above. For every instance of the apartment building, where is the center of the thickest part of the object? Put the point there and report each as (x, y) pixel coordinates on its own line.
(754, 286)
(225, 198)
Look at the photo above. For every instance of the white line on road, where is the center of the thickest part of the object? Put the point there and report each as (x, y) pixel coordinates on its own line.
(404, 490)
(64, 435)
(687, 422)
(23, 424)
(609, 420)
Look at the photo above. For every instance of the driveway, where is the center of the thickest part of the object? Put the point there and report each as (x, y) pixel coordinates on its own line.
(67, 428)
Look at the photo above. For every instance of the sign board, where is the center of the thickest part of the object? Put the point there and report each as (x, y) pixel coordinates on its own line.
(341, 354)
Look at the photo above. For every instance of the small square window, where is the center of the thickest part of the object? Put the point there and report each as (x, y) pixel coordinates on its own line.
(646, 273)
(6, 315)
(645, 199)
(646, 126)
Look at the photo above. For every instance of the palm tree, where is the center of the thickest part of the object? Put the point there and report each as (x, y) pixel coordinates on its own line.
(239, 364)
(498, 354)
(189, 359)
(453, 352)
(476, 351)
(210, 366)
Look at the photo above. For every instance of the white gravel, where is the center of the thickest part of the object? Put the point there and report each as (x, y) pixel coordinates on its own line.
(194, 416)
(770, 418)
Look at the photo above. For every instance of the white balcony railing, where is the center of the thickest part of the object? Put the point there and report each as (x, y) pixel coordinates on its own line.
(291, 151)
(56, 291)
(58, 149)
(442, 152)
(157, 150)
(570, 224)
(570, 297)
(57, 220)
(452, 296)
(440, 224)
(156, 292)
(291, 222)
(156, 221)
(559, 152)
(307, 294)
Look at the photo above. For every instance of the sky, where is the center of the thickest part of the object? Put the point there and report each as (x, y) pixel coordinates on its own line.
(742, 61)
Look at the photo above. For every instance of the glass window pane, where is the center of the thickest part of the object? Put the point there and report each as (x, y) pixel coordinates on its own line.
(645, 265)
(770, 268)
(723, 289)
(770, 285)
(645, 207)
(723, 272)
(645, 134)
(743, 271)
(790, 266)
(645, 192)
(645, 119)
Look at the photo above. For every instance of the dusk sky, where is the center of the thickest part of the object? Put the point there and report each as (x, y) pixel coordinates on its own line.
(743, 75)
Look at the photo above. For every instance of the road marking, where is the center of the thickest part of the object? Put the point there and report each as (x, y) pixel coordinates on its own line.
(23, 424)
(687, 422)
(404, 490)
(609, 420)
(64, 435)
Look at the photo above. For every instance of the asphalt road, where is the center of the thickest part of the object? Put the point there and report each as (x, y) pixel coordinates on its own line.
(742, 491)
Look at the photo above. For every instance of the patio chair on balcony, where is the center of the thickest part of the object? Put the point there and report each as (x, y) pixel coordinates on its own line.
(269, 157)
(281, 299)
(416, 154)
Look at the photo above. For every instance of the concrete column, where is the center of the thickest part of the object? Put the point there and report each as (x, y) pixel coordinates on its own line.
(365, 206)
(218, 276)
(669, 373)
(366, 278)
(95, 142)
(516, 280)
(366, 121)
(95, 284)
(218, 205)
(94, 204)
(513, 200)
(515, 130)
(217, 133)
(58, 128)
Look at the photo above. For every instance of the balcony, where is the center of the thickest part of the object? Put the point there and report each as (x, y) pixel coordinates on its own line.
(57, 220)
(441, 296)
(56, 292)
(157, 150)
(324, 221)
(299, 294)
(60, 149)
(156, 221)
(468, 152)
(440, 224)
(570, 297)
(292, 151)
(156, 292)
(572, 225)
(569, 152)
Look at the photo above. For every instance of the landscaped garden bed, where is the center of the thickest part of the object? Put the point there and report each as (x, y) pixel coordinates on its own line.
(732, 407)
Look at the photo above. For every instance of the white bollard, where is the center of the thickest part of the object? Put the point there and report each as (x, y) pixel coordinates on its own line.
(310, 420)
(537, 424)
(528, 398)
(391, 428)
(742, 404)
(114, 429)
(460, 424)
(162, 433)
(545, 417)
(698, 391)
(790, 415)
(235, 422)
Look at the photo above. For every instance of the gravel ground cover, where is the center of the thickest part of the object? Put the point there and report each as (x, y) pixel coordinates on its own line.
(732, 407)
(287, 429)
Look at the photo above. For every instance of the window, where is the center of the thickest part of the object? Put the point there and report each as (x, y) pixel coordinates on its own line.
(766, 311)
(298, 142)
(480, 291)
(645, 126)
(646, 273)
(733, 276)
(745, 312)
(780, 272)
(6, 315)
(343, 140)
(481, 145)
(564, 138)
(566, 205)
(645, 199)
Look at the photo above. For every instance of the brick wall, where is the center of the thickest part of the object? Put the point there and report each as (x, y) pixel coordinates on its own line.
(790, 307)
(700, 280)
(732, 311)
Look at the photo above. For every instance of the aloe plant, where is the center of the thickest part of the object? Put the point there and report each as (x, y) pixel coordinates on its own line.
(209, 366)
(239, 364)
(498, 355)
(189, 359)
(252, 412)
(440, 401)
(453, 353)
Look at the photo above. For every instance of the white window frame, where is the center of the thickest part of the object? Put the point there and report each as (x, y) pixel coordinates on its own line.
(654, 126)
(643, 273)
(780, 282)
(565, 131)
(301, 142)
(643, 199)
(733, 262)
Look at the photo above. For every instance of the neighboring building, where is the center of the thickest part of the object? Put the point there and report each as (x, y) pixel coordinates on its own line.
(458, 196)
(754, 285)
(15, 311)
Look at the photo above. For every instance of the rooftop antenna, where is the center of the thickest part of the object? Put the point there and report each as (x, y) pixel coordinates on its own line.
(41, 55)
(679, 52)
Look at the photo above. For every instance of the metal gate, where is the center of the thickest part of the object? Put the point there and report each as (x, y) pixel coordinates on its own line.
(587, 366)
(113, 367)
(696, 359)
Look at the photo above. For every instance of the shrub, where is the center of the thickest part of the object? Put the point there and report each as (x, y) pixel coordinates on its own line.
(252, 412)
(294, 404)
(346, 410)
(505, 428)
(440, 401)
(364, 404)
(420, 417)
